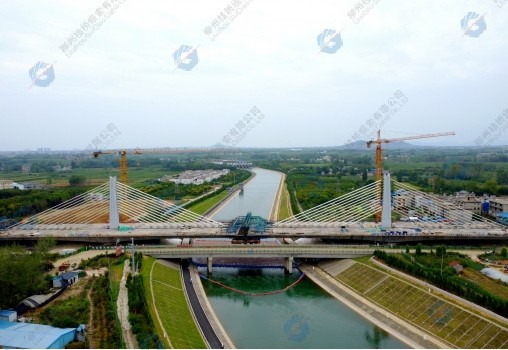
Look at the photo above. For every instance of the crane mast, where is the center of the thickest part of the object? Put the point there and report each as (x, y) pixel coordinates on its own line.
(379, 157)
(123, 155)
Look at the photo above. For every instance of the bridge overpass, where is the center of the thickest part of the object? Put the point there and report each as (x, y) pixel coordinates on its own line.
(116, 211)
(98, 233)
(288, 252)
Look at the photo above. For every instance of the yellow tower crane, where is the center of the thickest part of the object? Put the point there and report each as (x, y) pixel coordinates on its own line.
(123, 155)
(379, 156)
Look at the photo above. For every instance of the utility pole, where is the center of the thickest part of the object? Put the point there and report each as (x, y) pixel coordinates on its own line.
(442, 257)
(133, 258)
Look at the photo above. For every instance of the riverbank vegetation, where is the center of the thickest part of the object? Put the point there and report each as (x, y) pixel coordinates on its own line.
(435, 269)
(445, 319)
(139, 317)
(171, 303)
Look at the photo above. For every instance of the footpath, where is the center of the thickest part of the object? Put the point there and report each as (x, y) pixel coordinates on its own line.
(122, 305)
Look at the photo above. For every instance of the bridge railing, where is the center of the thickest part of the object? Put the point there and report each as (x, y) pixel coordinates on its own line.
(256, 250)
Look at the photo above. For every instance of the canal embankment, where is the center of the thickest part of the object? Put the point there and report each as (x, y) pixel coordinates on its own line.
(415, 306)
(237, 189)
(371, 312)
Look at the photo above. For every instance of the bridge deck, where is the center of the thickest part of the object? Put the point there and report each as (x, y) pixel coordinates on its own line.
(255, 251)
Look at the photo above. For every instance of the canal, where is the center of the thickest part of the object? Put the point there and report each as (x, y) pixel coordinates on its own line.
(302, 317)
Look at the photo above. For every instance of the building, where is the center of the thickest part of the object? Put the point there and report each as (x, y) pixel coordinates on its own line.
(8, 315)
(65, 279)
(458, 267)
(195, 177)
(502, 218)
(498, 206)
(25, 168)
(19, 335)
(6, 184)
(18, 186)
(468, 201)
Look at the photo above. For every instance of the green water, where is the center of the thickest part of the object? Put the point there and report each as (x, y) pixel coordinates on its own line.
(302, 317)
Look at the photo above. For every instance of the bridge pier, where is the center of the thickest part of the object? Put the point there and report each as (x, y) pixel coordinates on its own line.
(209, 264)
(288, 264)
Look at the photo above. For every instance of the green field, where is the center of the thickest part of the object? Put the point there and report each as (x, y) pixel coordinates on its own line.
(456, 326)
(202, 207)
(172, 306)
(94, 176)
(285, 206)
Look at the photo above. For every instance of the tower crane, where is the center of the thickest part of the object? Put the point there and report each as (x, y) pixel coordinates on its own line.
(379, 156)
(123, 155)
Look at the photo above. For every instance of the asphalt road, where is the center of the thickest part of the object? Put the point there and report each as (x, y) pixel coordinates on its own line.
(207, 329)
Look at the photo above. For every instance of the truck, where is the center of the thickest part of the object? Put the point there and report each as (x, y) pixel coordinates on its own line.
(64, 266)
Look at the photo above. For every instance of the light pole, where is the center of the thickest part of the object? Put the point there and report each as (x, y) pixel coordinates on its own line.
(133, 258)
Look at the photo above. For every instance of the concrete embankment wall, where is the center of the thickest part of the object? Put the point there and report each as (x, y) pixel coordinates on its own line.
(210, 212)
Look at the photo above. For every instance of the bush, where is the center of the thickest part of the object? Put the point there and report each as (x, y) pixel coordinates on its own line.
(139, 317)
(68, 313)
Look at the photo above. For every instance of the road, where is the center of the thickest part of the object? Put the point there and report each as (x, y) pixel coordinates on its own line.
(204, 324)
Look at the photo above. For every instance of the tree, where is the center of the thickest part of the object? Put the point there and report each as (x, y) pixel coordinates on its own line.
(504, 253)
(419, 249)
(441, 250)
(491, 186)
(23, 274)
(77, 180)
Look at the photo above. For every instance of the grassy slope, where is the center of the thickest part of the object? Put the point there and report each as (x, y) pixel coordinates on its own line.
(201, 208)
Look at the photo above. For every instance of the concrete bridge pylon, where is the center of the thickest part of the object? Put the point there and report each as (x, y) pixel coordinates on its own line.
(114, 217)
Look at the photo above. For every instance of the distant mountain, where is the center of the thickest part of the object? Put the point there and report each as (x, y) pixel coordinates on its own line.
(362, 145)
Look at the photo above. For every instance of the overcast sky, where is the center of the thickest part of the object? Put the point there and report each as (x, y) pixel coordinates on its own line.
(268, 56)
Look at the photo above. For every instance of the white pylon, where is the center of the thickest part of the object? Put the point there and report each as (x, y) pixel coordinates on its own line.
(114, 219)
(386, 214)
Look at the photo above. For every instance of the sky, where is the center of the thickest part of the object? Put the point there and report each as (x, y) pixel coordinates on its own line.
(308, 73)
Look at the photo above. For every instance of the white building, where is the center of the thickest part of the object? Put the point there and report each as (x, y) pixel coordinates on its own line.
(6, 184)
(498, 206)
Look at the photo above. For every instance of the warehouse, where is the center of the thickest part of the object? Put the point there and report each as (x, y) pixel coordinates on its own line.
(34, 336)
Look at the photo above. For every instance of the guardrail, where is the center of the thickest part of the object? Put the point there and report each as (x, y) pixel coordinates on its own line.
(266, 251)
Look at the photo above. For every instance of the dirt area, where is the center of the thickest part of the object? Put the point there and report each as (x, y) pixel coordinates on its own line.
(98, 272)
(75, 259)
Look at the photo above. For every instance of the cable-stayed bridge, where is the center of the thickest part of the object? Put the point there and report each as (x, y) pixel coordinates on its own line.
(117, 211)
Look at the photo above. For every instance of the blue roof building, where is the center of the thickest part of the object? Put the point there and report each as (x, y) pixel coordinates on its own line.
(8, 315)
(34, 336)
(65, 279)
